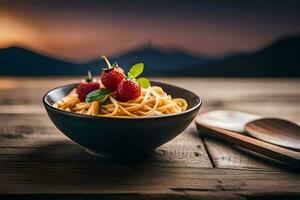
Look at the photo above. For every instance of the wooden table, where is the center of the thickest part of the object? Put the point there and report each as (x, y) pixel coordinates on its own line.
(37, 161)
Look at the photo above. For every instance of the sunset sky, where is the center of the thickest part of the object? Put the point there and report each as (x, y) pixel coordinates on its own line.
(82, 30)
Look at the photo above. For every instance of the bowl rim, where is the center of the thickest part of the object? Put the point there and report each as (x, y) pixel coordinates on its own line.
(195, 107)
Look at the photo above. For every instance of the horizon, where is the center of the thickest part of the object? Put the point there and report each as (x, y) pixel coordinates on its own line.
(152, 45)
(80, 31)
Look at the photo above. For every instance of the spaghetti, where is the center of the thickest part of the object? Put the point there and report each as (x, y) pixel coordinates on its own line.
(153, 101)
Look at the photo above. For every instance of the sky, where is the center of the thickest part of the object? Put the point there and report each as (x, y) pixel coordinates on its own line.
(82, 30)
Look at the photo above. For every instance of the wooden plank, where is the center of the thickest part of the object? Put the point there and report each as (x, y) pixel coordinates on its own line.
(262, 96)
(36, 158)
(94, 178)
(186, 195)
(35, 133)
(119, 196)
(226, 156)
(184, 151)
(23, 139)
(250, 95)
(23, 119)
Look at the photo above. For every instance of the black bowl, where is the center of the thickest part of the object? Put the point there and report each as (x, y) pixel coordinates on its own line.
(117, 136)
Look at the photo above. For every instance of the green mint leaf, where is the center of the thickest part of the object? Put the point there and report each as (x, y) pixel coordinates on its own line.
(136, 70)
(97, 95)
(144, 82)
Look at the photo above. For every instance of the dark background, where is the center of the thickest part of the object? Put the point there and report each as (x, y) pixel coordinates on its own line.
(172, 38)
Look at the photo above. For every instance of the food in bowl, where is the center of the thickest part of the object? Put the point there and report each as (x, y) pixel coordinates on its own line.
(118, 95)
(121, 136)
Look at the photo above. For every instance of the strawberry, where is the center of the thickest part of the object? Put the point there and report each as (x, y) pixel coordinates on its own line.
(112, 75)
(128, 89)
(111, 78)
(86, 87)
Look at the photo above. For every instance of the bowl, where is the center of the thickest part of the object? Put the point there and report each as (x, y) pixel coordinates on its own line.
(121, 136)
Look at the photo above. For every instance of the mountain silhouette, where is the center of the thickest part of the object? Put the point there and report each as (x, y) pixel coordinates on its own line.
(19, 61)
(157, 61)
(279, 59)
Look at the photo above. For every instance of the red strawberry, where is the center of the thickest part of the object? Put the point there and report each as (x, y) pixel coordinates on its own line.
(112, 75)
(112, 78)
(127, 90)
(86, 87)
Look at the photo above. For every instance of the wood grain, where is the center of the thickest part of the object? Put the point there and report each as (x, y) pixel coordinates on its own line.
(94, 178)
(276, 131)
(36, 160)
(284, 155)
(185, 150)
(232, 157)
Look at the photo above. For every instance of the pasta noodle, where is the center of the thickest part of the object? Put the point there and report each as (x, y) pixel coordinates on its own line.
(153, 101)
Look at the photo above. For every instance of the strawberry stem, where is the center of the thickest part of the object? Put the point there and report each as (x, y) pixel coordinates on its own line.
(89, 77)
(109, 67)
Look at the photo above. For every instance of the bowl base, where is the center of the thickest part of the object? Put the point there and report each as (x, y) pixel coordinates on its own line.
(131, 155)
(96, 153)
